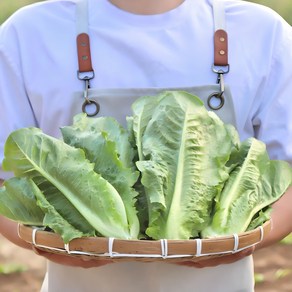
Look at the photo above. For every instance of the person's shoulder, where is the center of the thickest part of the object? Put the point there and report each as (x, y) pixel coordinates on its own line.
(255, 18)
(32, 13)
(253, 12)
(42, 6)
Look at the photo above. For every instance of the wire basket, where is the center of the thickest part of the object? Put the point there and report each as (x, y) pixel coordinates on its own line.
(143, 250)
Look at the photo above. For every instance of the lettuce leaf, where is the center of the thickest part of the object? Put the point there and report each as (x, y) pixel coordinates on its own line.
(17, 201)
(142, 110)
(106, 144)
(254, 184)
(30, 153)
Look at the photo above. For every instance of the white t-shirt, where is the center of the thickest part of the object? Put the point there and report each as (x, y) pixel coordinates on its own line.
(38, 62)
(38, 78)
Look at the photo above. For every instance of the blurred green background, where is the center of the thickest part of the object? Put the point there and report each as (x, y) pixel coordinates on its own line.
(283, 7)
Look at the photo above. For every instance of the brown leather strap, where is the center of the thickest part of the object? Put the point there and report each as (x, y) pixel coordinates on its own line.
(220, 48)
(93, 246)
(84, 54)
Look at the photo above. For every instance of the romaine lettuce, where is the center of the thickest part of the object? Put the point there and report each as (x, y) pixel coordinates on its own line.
(253, 185)
(185, 149)
(54, 165)
(176, 172)
(107, 145)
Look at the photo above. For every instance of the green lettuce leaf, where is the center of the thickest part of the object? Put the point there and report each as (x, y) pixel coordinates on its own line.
(22, 201)
(106, 144)
(18, 202)
(253, 185)
(49, 194)
(31, 153)
(142, 110)
(57, 222)
(259, 219)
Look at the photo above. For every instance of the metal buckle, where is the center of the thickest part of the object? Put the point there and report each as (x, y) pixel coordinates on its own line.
(220, 71)
(85, 75)
(86, 110)
(212, 100)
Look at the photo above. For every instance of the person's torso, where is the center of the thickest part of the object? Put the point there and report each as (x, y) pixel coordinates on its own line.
(136, 51)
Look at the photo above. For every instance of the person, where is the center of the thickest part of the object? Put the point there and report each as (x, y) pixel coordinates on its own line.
(144, 47)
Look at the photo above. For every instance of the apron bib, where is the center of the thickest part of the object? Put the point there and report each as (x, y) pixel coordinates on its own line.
(138, 276)
(117, 102)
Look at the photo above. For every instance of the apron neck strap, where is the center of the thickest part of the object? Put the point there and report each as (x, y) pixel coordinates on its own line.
(85, 71)
(82, 16)
(220, 38)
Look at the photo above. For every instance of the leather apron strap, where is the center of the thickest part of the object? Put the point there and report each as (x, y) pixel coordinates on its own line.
(83, 43)
(220, 35)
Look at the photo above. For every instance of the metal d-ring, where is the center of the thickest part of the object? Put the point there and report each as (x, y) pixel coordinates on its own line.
(218, 95)
(88, 102)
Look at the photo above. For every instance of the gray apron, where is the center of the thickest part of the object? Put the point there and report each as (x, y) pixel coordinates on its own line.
(152, 277)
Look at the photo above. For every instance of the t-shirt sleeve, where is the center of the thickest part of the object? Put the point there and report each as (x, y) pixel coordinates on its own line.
(273, 120)
(16, 111)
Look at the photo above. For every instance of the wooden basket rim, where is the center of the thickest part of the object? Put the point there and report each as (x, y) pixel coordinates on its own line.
(149, 250)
